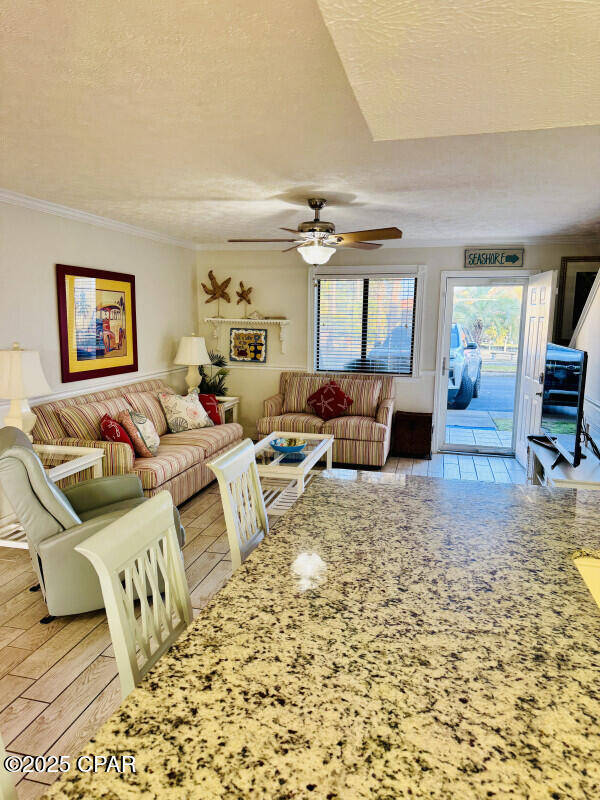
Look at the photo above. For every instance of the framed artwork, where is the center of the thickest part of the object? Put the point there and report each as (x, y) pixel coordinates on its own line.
(96, 322)
(575, 280)
(248, 345)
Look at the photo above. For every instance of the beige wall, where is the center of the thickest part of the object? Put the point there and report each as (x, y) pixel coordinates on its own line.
(280, 282)
(32, 242)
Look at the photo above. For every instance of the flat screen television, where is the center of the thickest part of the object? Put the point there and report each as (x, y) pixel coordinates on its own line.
(562, 404)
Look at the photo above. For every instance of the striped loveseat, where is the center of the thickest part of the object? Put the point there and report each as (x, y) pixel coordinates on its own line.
(180, 463)
(362, 434)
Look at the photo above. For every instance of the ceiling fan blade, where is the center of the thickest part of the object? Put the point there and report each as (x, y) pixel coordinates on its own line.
(375, 233)
(287, 249)
(261, 240)
(289, 230)
(360, 245)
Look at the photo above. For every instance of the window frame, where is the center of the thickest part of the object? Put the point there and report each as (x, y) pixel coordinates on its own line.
(417, 271)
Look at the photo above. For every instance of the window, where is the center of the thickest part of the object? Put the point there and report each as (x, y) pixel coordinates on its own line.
(365, 324)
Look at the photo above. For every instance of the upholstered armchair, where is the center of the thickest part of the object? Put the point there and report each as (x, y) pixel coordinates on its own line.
(55, 522)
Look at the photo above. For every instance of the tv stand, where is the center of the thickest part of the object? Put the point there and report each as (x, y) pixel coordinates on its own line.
(545, 469)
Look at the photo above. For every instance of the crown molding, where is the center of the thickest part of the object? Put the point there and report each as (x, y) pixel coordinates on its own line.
(46, 207)
(416, 244)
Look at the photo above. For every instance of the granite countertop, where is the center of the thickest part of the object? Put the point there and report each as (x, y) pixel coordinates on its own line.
(449, 649)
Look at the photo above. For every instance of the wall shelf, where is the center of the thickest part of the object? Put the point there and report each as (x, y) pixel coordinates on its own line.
(218, 322)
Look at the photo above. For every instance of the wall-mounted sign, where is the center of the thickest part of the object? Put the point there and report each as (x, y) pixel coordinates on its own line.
(506, 257)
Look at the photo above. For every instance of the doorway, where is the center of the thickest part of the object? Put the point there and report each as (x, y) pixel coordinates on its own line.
(478, 377)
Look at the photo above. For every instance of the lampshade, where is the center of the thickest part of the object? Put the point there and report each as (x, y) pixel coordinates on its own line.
(21, 374)
(192, 351)
(316, 253)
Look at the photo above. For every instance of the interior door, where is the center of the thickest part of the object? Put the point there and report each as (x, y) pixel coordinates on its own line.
(538, 316)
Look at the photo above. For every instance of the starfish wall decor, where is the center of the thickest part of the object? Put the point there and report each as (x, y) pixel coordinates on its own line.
(244, 294)
(217, 290)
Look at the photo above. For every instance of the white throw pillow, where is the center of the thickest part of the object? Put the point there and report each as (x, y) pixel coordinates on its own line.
(184, 413)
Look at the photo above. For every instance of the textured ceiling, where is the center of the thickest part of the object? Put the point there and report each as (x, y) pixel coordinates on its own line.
(209, 120)
(457, 67)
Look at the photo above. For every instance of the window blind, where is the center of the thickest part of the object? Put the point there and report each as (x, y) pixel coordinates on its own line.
(365, 324)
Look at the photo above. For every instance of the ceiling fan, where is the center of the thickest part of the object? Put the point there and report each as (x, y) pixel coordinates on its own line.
(317, 240)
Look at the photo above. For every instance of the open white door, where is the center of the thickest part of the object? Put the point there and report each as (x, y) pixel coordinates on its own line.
(538, 317)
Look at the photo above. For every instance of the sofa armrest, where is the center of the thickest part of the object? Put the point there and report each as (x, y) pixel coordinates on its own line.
(118, 456)
(274, 405)
(98, 492)
(385, 412)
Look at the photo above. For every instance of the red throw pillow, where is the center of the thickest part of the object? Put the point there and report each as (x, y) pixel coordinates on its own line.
(329, 401)
(211, 406)
(113, 432)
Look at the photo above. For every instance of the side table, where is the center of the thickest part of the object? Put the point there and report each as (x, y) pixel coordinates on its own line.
(229, 404)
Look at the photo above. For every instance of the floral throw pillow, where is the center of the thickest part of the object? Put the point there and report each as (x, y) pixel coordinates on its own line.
(113, 432)
(184, 413)
(141, 431)
(329, 401)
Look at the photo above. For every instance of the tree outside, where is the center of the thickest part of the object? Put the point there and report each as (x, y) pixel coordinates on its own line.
(492, 314)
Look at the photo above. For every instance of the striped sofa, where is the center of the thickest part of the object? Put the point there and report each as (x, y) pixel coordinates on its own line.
(180, 463)
(362, 434)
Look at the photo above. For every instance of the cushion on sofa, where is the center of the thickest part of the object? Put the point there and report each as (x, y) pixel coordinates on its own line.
(147, 403)
(363, 429)
(210, 440)
(83, 421)
(112, 431)
(329, 401)
(169, 461)
(184, 413)
(290, 423)
(298, 390)
(141, 431)
(365, 394)
(211, 406)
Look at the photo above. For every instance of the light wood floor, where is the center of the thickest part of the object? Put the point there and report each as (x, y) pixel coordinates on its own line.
(58, 682)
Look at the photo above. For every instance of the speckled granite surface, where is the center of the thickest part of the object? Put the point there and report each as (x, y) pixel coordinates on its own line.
(450, 650)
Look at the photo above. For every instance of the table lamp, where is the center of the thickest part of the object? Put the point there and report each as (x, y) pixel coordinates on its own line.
(191, 353)
(21, 377)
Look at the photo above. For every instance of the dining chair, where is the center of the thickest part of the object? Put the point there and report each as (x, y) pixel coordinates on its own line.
(7, 787)
(242, 498)
(138, 558)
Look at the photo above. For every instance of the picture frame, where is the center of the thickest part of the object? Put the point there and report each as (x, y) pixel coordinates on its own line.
(575, 280)
(96, 322)
(248, 345)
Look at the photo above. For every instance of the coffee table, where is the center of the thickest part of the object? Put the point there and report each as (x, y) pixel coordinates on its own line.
(285, 476)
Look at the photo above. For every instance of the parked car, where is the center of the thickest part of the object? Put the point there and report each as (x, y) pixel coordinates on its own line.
(464, 368)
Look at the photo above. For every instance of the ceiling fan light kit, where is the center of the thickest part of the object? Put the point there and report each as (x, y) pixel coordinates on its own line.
(318, 240)
(316, 253)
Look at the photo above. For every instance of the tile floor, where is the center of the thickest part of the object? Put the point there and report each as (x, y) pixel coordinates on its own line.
(492, 469)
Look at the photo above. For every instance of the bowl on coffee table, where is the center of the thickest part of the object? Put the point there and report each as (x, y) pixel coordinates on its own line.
(288, 445)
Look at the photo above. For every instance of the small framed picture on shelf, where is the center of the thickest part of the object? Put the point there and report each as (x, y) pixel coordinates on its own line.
(575, 281)
(249, 345)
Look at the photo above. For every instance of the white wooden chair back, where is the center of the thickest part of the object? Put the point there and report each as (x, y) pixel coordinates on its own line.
(7, 786)
(138, 557)
(242, 498)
